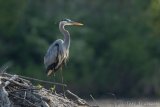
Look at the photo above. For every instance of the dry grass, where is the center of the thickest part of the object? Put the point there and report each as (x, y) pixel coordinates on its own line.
(126, 103)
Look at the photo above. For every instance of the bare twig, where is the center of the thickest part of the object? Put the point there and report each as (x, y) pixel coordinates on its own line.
(45, 104)
(69, 92)
(34, 79)
(24, 96)
(10, 80)
(9, 75)
(49, 82)
(42, 97)
(79, 100)
(22, 90)
(33, 105)
(94, 101)
(15, 82)
(5, 102)
(5, 67)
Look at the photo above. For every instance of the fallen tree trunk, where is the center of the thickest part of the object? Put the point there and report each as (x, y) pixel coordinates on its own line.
(16, 91)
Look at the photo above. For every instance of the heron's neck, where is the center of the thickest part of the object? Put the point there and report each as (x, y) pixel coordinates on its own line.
(66, 36)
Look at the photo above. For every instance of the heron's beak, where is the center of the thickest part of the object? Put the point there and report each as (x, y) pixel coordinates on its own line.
(76, 23)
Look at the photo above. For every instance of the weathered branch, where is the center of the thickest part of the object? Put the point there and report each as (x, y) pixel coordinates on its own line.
(17, 91)
(5, 102)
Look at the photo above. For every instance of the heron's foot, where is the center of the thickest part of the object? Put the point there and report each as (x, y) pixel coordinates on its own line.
(39, 86)
(53, 89)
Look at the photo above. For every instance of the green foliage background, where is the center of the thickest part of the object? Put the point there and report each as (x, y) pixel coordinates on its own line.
(117, 50)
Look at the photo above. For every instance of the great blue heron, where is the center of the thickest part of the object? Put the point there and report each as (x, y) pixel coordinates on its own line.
(58, 51)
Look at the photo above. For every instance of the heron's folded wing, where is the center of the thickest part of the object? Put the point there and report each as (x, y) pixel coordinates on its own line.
(51, 55)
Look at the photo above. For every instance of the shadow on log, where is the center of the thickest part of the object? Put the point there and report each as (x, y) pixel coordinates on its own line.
(16, 91)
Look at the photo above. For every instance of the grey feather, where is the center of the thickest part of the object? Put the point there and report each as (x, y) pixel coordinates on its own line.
(54, 52)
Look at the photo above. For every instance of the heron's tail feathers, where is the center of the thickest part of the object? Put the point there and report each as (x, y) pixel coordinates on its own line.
(49, 72)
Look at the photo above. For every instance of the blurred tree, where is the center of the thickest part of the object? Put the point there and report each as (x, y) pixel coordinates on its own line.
(117, 50)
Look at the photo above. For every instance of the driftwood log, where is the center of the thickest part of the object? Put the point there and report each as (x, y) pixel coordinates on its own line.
(16, 91)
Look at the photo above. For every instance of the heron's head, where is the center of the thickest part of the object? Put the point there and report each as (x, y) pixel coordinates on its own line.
(70, 22)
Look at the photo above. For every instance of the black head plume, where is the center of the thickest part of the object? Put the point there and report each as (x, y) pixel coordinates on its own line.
(68, 20)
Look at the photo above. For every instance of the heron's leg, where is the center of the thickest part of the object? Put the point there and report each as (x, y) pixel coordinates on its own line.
(62, 83)
(54, 81)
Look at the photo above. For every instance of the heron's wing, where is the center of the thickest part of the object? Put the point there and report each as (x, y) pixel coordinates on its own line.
(50, 56)
(53, 53)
